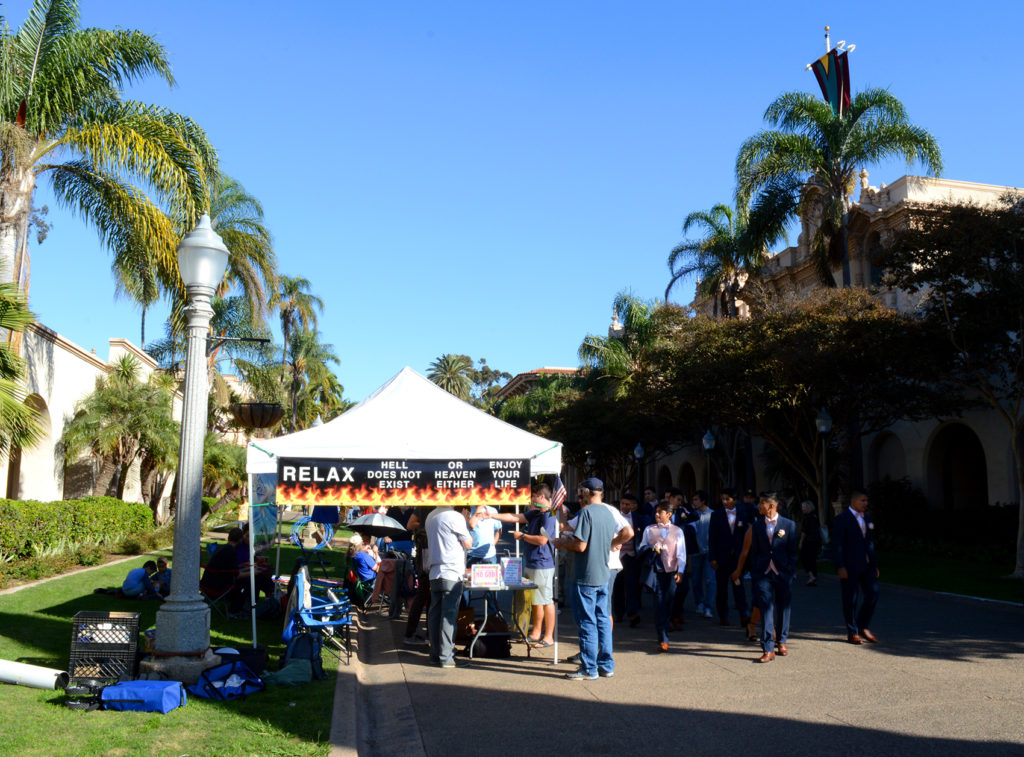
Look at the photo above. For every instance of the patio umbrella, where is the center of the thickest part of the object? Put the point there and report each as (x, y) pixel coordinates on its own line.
(378, 525)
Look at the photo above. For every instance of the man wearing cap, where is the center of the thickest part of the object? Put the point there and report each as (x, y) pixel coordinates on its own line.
(591, 542)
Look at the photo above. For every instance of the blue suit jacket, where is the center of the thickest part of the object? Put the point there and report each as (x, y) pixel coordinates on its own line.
(781, 550)
(724, 546)
(854, 551)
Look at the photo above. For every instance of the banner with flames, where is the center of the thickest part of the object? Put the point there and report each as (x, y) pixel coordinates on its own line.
(402, 483)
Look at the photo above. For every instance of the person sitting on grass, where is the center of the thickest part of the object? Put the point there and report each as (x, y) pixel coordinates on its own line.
(137, 584)
(162, 578)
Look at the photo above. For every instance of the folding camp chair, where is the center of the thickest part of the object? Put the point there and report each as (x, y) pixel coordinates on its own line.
(309, 613)
(218, 597)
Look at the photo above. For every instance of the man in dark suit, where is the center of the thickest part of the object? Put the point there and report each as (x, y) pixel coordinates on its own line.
(857, 566)
(771, 543)
(726, 531)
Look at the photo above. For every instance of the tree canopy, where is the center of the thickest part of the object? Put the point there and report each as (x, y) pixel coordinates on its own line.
(965, 263)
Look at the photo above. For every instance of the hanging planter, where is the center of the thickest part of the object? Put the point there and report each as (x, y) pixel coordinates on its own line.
(257, 414)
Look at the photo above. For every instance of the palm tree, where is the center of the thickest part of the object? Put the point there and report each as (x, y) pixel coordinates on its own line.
(619, 357)
(19, 423)
(296, 306)
(809, 162)
(735, 246)
(451, 373)
(62, 116)
(120, 422)
(307, 370)
(238, 217)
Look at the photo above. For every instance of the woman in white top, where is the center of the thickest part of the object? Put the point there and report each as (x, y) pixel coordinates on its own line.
(669, 563)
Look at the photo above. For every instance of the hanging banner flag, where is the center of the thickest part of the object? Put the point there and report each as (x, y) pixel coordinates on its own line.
(403, 483)
(263, 514)
(832, 70)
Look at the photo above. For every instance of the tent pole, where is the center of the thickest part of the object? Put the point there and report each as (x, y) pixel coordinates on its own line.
(554, 585)
(252, 560)
(277, 537)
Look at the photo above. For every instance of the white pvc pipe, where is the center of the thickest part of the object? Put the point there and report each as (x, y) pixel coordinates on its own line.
(32, 675)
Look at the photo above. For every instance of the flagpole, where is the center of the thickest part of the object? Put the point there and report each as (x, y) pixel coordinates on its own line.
(828, 43)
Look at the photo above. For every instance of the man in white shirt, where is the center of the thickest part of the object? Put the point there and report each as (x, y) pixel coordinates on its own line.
(448, 539)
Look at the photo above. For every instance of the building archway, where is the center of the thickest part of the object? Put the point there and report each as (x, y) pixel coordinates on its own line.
(687, 479)
(888, 459)
(33, 464)
(957, 472)
(664, 480)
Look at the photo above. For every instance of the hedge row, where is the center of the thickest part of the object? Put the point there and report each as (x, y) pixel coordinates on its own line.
(24, 523)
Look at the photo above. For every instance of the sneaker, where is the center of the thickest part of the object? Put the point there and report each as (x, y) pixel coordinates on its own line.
(579, 675)
(700, 609)
(415, 641)
(708, 613)
(454, 664)
(575, 659)
(606, 673)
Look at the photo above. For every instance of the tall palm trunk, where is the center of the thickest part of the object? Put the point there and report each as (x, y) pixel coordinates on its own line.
(16, 187)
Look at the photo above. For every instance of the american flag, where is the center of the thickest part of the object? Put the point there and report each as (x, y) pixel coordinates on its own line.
(559, 493)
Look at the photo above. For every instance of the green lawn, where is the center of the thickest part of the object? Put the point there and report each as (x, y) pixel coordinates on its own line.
(971, 577)
(35, 627)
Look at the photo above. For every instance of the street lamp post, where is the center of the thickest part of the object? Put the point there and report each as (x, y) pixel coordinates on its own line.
(708, 441)
(183, 621)
(824, 424)
(638, 453)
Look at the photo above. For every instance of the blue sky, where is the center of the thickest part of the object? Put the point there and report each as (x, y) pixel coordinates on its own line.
(484, 178)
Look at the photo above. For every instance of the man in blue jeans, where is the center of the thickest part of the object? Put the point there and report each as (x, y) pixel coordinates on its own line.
(591, 542)
(447, 541)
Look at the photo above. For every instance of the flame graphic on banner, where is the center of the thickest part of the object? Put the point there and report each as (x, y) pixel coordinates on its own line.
(357, 496)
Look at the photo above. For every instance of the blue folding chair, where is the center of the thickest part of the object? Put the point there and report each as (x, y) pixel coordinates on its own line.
(329, 615)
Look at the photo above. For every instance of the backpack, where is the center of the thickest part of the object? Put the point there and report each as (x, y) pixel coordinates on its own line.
(305, 646)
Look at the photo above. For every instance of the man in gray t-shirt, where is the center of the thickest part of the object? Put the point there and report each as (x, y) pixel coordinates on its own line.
(591, 542)
(447, 541)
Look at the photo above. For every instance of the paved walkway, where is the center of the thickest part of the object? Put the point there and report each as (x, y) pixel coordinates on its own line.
(947, 678)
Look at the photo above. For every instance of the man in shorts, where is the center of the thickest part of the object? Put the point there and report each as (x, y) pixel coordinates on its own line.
(539, 562)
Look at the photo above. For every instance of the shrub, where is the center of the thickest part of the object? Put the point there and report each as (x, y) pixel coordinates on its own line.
(30, 528)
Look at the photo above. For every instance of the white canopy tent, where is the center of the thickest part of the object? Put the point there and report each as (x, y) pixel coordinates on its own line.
(410, 417)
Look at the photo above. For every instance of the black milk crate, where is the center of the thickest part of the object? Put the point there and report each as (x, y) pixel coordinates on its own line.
(103, 646)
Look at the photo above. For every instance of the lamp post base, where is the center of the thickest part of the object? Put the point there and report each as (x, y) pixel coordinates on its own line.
(183, 628)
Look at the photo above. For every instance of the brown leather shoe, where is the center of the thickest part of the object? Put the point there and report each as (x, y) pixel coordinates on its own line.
(868, 636)
(781, 650)
(663, 646)
(854, 639)
(767, 657)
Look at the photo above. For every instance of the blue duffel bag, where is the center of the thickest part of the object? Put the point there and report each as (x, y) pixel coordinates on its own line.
(232, 680)
(144, 696)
